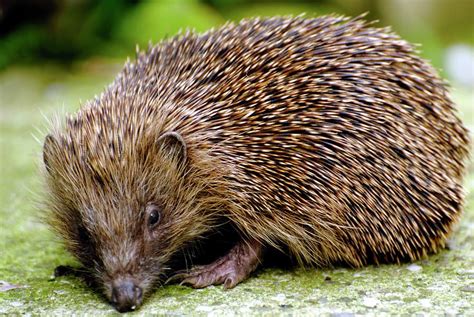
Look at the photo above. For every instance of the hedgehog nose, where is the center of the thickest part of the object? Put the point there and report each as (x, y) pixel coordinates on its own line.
(126, 296)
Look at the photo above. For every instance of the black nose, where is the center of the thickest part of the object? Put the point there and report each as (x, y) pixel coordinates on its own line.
(126, 296)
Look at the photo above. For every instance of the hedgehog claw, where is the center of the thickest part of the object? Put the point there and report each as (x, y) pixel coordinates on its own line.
(230, 270)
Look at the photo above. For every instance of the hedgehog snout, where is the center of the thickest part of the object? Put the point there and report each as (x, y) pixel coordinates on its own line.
(126, 295)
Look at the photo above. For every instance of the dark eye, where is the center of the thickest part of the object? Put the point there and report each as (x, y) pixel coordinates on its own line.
(153, 215)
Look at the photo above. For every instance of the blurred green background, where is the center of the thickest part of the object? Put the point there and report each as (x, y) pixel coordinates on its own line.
(66, 30)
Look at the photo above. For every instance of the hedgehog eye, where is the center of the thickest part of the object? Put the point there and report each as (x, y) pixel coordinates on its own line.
(154, 215)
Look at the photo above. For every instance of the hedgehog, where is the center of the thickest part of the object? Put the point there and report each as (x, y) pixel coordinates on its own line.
(326, 138)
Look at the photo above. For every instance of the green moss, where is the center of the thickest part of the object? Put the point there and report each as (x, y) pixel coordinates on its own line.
(29, 252)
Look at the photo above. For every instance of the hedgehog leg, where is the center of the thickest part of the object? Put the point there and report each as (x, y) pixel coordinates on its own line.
(66, 270)
(231, 269)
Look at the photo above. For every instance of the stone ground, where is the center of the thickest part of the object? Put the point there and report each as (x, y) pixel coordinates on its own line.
(443, 284)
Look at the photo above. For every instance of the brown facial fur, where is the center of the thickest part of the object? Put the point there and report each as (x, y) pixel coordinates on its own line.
(101, 210)
(324, 135)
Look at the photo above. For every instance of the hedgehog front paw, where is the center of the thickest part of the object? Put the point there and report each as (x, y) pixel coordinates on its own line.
(230, 270)
(81, 273)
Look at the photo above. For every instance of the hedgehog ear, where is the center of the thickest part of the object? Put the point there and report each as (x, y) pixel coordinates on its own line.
(49, 142)
(173, 143)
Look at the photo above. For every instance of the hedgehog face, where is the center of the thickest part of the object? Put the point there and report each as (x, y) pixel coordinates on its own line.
(124, 220)
(133, 260)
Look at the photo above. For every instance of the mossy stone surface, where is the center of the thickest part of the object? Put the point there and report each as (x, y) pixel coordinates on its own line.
(440, 284)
